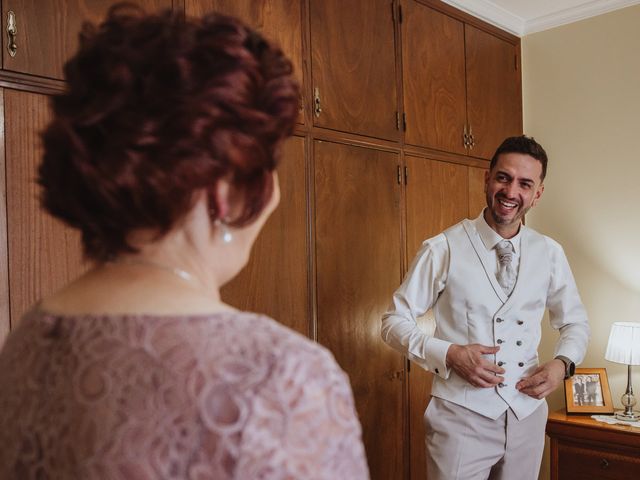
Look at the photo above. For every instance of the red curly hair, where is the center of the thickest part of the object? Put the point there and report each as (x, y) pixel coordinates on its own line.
(158, 107)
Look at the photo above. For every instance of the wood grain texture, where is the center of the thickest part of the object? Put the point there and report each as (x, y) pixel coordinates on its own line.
(433, 78)
(353, 66)
(437, 197)
(477, 197)
(48, 31)
(445, 156)
(275, 282)
(358, 267)
(5, 323)
(494, 103)
(470, 19)
(582, 447)
(30, 83)
(278, 20)
(44, 254)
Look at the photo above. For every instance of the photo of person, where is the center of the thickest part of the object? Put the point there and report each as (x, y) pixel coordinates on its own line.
(587, 390)
(578, 389)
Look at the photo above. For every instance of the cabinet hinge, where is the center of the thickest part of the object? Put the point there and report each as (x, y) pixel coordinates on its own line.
(399, 175)
(406, 175)
(12, 32)
(397, 120)
(317, 105)
(404, 121)
(399, 13)
(515, 62)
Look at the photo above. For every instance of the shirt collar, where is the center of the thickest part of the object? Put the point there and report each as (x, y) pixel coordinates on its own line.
(490, 238)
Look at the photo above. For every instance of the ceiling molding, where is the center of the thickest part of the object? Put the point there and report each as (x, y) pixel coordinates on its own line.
(570, 15)
(502, 18)
(491, 13)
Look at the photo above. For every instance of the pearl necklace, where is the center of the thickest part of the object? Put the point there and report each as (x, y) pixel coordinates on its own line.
(178, 272)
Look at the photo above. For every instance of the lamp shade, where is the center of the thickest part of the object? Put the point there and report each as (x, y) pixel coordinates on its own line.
(624, 343)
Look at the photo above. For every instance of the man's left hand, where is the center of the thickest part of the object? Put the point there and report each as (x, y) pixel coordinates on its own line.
(544, 380)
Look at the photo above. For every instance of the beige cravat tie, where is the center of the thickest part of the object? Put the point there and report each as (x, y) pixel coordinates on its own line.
(506, 273)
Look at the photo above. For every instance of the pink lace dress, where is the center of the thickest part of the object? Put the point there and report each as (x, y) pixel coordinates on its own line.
(230, 395)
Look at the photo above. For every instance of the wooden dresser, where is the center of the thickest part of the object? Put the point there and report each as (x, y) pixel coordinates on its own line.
(584, 449)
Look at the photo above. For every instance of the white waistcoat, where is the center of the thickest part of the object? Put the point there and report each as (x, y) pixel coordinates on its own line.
(473, 308)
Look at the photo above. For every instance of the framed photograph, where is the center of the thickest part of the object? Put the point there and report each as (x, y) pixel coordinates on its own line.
(588, 391)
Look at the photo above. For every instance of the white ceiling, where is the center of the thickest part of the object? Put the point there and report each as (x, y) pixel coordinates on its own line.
(522, 17)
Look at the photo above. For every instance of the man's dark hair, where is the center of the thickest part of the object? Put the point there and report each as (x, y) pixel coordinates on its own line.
(525, 145)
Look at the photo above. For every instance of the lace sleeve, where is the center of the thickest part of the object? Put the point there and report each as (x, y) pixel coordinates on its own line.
(304, 424)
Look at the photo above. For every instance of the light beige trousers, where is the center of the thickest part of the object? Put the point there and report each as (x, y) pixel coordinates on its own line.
(464, 445)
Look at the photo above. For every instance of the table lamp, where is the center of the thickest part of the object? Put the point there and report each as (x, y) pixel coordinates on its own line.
(624, 347)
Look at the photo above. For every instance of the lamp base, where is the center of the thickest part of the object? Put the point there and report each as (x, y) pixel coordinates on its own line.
(632, 417)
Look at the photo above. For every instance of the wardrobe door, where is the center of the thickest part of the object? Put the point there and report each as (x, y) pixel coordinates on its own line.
(358, 262)
(353, 67)
(275, 281)
(433, 78)
(5, 315)
(278, 20)
(437, 197)
(477, 197)
(46, 31)
(43, 253)
(494, 101)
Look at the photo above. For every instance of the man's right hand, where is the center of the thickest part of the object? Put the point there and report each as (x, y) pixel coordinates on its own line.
(469, 363)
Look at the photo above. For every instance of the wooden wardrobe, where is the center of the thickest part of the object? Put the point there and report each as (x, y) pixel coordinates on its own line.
(403, 103)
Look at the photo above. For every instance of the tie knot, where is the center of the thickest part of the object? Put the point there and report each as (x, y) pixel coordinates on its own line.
(505, 251)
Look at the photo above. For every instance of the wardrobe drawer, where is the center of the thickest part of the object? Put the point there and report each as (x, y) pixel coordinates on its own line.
(577, 462)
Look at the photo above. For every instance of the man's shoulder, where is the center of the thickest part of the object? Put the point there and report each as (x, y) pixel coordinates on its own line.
(459, 228)
(437, 242)
(552, 245)
(441, 239)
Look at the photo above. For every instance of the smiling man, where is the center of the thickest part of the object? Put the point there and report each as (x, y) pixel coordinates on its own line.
(489, 282)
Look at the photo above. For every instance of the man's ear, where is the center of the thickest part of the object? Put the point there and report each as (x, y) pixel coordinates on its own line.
(537, 195)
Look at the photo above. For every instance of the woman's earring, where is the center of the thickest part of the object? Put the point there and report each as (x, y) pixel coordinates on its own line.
(227, 236)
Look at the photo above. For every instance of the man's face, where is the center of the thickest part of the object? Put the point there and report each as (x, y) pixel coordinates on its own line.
(512, 187)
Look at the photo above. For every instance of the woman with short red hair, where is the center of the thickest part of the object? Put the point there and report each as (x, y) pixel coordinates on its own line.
(162, 153)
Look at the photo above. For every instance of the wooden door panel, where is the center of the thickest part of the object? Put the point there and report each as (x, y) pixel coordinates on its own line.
(494, 103)
(44, 254)
(358, 268)
(353, 66)
(433, 78)
(437, 197)
(278, 20)
(48, 31)
(477, 198)
(5, 317)
(275, 280)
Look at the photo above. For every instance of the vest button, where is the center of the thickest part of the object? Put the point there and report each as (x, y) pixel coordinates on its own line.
(520, 364)
(501, 363)
(502, 385)
(519, 342)
(520, 322)
(499, 320)
(499, 341)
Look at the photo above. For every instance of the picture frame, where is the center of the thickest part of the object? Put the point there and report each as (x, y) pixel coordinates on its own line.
(588, 391)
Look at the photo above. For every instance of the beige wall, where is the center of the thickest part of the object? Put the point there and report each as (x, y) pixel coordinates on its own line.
(581, 96)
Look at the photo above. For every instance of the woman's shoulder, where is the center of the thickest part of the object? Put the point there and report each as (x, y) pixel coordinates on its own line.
(207, 338)
(224, 346)
(262, 335)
